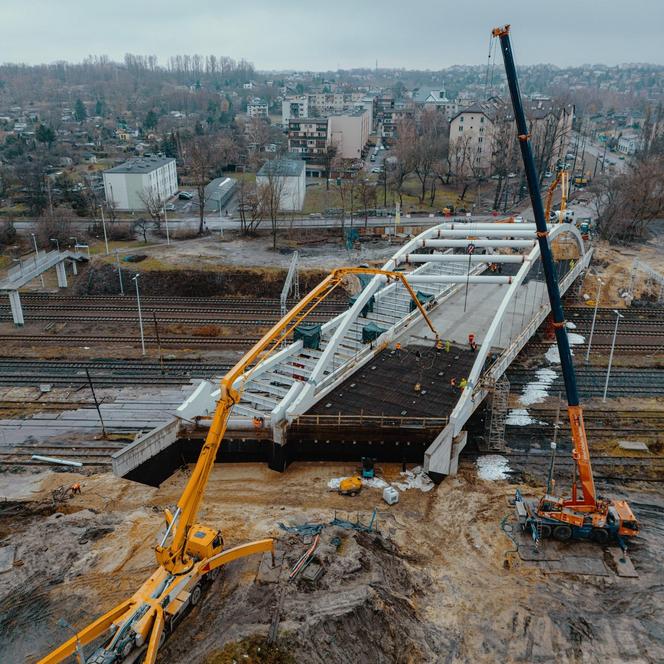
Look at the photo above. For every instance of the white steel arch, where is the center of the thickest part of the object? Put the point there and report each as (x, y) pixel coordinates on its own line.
(290, 382)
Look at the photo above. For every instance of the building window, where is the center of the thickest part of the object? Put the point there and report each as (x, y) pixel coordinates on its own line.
(481, 119)
(460, 128)
(479, 140)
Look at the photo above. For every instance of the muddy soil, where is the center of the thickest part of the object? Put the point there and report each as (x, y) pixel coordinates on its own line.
(432, 587)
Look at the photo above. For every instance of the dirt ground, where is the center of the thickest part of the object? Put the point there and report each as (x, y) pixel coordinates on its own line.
(316, 250)
(432, 587)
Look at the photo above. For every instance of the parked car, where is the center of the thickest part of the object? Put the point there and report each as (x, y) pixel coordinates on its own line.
(169, 207)
(185, 195)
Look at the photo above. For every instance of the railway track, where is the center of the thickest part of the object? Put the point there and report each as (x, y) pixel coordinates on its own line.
(165, 303)
(590, 381)
(66, 316)
(165, 341)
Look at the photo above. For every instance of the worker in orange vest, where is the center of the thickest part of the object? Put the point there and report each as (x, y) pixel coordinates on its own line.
(75, 488)
(471, 342)
(453, 382)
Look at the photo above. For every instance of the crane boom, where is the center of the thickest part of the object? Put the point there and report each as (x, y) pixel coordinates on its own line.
(583, 516)
(575, 412)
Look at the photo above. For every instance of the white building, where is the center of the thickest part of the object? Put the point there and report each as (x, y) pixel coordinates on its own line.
(289, 178)
(129, 185)
(349, 132)
(293, 108)
(628, 144)
(257, 108)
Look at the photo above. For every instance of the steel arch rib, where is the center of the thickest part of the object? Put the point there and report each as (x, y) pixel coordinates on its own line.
(490, 336)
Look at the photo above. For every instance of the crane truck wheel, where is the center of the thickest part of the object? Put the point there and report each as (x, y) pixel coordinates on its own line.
(562, 533)
(545, 531)
(195, 596)
(600, 535)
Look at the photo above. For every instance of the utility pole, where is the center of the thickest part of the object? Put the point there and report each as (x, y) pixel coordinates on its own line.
(34, 240)
(94, 396)
(103, 225)
(613, 346)
(156, 333)
(168, 238)
(140, 315)
(117, 260)
(600, 283)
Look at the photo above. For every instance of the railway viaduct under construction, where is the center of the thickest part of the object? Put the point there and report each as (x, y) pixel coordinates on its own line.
(424, 341)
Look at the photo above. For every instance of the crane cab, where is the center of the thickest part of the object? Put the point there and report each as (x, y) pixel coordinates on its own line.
(621, 515)
(204, 542)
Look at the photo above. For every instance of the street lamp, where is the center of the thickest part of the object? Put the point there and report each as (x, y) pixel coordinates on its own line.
(75, 240)
(168, 239)
(600, 283)
(103, 225)
(57, 244)
(34, 240)
(140, 315)
(613, 345)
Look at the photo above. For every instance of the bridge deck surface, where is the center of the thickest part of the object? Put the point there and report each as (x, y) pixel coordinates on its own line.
(386, 385)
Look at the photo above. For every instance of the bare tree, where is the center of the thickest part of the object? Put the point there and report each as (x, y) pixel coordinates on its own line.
(405, 155)
(628, 203)
(250, 206)
(154, 204)
(368, 197)
(141, 227)
(430, 147)
(204, 156)
(270, 194)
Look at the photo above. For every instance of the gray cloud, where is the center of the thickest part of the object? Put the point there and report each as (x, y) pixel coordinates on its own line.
(299, 34)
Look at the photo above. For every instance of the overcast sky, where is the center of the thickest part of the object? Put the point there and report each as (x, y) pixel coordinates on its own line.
(322, 35)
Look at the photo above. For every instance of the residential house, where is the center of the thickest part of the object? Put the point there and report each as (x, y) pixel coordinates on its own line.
(130, 185)
(288, 177)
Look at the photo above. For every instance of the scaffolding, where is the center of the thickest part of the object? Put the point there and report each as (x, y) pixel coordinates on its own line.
(291, 285)
(495, 438)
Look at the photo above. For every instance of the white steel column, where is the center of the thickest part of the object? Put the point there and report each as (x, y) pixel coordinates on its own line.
(17, 309)
(74, 268)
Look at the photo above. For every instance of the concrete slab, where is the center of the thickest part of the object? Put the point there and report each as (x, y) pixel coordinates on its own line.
(577, 565)
(633, 445)
(7, 554)
(455, 322)
(268, 573)
(624, 565)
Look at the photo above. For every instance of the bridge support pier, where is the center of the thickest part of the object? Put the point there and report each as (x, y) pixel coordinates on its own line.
(74, 268)
(62, 275)
(17, 309)
(278, 457)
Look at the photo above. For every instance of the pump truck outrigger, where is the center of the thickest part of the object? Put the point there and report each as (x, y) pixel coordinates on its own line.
(189, 554)
(583, 515)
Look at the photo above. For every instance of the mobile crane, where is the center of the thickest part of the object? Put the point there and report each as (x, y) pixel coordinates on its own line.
(583, 515)
(190, 554)
(562, 179)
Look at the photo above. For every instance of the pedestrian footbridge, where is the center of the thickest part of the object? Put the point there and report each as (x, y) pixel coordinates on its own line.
(380, 370)
(32, 267)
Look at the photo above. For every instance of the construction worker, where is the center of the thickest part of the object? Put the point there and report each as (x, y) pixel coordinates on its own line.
(453, 381)
(448, 345)
(75, 488)
(463, 383)
(439, 346)
(397, 346)
(471, 342)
